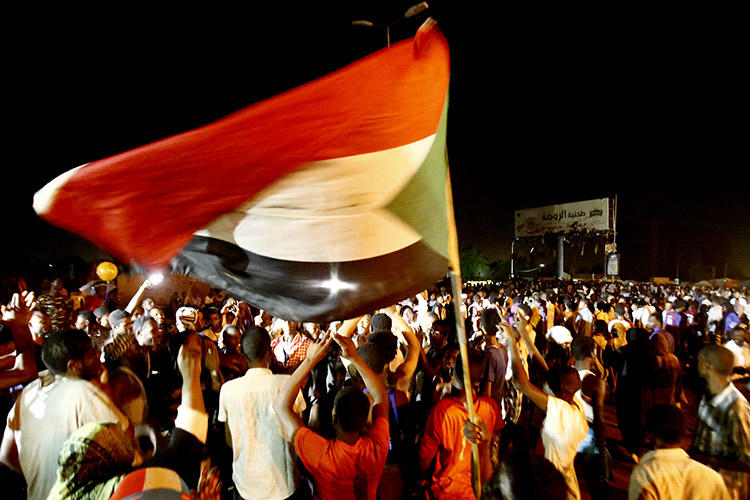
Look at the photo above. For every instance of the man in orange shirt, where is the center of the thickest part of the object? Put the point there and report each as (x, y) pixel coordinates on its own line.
(349, 466)
(444, 442)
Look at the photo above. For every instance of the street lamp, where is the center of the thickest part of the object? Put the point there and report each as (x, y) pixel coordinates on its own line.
(410, 12)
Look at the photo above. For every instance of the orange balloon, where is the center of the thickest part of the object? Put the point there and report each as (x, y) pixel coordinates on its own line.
(106, 271)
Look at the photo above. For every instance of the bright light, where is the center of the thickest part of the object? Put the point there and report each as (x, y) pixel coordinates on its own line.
(541, 265)
(335, 285)
(155, 279)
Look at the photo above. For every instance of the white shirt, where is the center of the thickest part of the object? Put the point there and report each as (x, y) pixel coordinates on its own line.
(263, 464)
(671, 474)
(563, 429)
(586, 315)
(43, 418)
(715, 315)
(741, 354)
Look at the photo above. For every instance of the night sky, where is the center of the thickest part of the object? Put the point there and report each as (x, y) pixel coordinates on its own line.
(546, 107)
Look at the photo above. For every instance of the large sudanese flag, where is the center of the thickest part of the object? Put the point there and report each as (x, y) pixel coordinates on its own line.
(318, 204)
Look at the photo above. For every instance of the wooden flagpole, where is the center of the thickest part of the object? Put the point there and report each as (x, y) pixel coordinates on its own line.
(456, 288)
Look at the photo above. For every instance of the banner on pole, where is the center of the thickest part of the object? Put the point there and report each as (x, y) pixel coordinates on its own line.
(613, 264)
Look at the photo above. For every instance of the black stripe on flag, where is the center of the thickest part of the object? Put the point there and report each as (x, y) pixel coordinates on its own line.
(312, 291)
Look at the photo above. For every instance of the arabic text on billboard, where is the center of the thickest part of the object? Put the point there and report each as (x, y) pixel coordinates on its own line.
(590, 215)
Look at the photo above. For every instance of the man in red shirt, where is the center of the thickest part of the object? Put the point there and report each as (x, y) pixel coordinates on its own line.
(444, 442)
(350, 465)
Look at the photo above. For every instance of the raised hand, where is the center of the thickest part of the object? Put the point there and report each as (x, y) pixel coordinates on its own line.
(18, 310)
(505, 333)
(319, 348)
(348, 349)
(189, 361)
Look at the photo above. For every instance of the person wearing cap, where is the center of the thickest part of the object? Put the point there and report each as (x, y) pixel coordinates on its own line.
(560, 335)
(667, 472)
(187, 319)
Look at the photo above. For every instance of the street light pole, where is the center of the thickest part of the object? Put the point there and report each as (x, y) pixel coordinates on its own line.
(560, 255)
(411, 12)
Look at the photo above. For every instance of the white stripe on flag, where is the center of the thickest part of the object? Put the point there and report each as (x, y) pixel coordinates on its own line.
(328, 211)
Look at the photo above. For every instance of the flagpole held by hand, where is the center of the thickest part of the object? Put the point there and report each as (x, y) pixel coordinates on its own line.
(455, 275)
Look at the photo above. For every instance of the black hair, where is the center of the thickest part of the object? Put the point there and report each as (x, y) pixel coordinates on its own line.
(526, 309)
(256, 343)
(582, 347)
(443, 323)
(667, 423)
(490, 319)
(351, 407)
(404, 308)
(375, 355)
(557, 354)
(476, 358)
(619, 310)
(387, 341)
(208, 311)
(557, 374)
(61, 346)
(380, 322)
(600, 326)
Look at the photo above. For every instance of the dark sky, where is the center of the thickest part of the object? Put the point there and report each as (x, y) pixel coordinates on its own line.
(546, 107)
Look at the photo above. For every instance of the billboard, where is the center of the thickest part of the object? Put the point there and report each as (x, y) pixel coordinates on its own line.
(590, 215)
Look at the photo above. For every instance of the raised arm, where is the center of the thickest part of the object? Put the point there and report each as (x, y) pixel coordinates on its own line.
(284, 403)
(520, 377)
(373, 383)
(137, 297)
(405, 372)
(16, 317)
(348, 327)
(521, 324)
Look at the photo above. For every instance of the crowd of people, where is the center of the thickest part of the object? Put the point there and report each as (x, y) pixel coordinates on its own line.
(210, 397)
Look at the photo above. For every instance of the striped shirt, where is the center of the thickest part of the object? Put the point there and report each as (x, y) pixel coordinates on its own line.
(724, 431)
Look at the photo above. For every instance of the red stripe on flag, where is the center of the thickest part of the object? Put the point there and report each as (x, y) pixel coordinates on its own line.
(145, 204)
